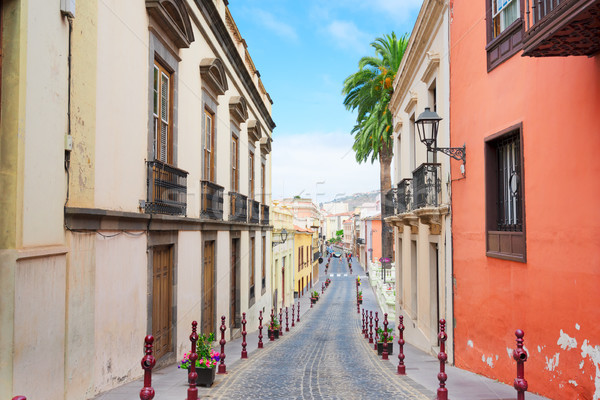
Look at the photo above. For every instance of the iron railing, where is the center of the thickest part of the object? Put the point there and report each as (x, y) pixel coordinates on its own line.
(253, 211)
(212, 200)
(389, 203)
(536, 10)
(238, 208)
(426, 185)
(167, 189)
(403, 196)
(264, 212)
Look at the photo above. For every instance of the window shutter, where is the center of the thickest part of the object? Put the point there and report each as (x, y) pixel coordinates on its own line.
(164, 116)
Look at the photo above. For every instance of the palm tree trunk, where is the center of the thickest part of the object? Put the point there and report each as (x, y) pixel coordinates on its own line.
(387, 205)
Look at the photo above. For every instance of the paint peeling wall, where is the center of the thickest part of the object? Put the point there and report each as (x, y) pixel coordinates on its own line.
(553, 297)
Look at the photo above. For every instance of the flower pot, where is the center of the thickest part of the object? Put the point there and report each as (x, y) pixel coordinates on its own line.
(313, 300)
(359, 301)
(206, 376)
(275, 333)
(390, 348)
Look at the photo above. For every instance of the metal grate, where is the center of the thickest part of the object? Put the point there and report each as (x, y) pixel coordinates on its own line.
(238, 210)
(509, 184)
(212, 200)
(167, 189)
(426, 185)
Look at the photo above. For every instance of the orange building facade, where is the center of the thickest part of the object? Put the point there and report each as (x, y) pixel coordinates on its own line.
(526, 221)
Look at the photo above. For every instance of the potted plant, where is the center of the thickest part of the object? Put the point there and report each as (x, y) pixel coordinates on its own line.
(359, 297)
(206, 363)
(327, 282)
(358, 280)
(390, 341)
(273, 327)
(314, 297)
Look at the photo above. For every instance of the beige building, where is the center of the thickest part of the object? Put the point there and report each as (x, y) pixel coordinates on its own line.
(422, 219)
(283, 256)
(135, 170)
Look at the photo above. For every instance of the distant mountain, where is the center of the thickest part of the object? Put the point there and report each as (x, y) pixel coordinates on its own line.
(357, 199)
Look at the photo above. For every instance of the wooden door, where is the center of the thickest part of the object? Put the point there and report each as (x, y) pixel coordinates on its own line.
(208, 288)
(233, 291)
(162, 300)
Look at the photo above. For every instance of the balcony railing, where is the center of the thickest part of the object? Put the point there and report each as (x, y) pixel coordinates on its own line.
(167, 189)
(389, 203)
(403, 196)
(560, 28)
(264, 212)
(426, 185)
(238, 208)
(212, 200)
(253, 211)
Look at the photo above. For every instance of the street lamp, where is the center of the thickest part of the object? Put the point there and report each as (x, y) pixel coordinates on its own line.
(427, 125)
(283, 236)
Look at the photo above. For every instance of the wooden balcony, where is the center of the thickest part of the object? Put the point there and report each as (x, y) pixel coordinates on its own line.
(561, 28)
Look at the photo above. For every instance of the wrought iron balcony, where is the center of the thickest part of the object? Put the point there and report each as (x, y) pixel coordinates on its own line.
(254, 211)
(212, 200)
(560, 28)
(403, 196)
(264, 212)
(389, 203)
(426, 185)
(167, 189)
(238, 209)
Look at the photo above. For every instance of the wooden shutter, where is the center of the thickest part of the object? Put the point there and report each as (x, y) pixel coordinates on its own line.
(162, 284)
(208, 289)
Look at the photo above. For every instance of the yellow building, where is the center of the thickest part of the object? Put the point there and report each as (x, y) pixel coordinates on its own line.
(303, 273)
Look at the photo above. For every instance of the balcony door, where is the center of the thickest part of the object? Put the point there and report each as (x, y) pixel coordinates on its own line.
(163, 114)
(234, 294)
(208, 288)
(162, 299)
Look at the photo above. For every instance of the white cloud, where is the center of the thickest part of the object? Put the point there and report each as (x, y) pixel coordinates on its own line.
(347, 35)
(299, 161)
(278, 27)
(397, 9)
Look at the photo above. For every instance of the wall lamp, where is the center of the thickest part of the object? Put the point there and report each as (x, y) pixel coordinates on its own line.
(283, 236)
(427, 125)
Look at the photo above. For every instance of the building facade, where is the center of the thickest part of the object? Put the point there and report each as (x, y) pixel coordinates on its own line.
(421, 217)
(525, 96)
(283, 256)
(135, 195)
(303, 271)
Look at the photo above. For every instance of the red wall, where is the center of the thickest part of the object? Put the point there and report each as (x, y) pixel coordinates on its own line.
(558, 289)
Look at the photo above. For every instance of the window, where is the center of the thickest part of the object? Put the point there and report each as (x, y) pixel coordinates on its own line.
(162, 112)
(504, 30)
(209, 144)
(505, 216)
(504, 13)
(251, 176)
(234, 164)
(262, 182)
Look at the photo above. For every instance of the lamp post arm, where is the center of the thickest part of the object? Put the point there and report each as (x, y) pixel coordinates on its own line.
(458, 153)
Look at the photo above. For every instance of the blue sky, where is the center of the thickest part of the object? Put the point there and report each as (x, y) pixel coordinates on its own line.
(304, 49)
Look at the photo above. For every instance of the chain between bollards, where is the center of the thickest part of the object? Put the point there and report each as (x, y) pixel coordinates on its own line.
(442, 392)
(222, 366)
(520, 356)
(376, 328)
(371, 328)
(401, 366)
(148, 362)
(244, 344)
(192, 393)
(260, 328)
(384, 354)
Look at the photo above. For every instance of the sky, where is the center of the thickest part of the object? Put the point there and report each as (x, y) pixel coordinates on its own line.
(304, 49)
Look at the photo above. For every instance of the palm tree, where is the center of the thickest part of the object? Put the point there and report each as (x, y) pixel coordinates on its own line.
(369, 91)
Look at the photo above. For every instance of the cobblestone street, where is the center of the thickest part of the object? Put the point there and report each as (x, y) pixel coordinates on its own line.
(324, 357)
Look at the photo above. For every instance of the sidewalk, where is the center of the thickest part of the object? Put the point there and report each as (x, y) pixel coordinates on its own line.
(423, 368)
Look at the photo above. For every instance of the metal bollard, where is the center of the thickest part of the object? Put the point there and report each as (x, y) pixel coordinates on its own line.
(192, 393)
(363, 321)
(322, 288)
(371, 328)
(298, 317)
(260, 327)
(442, 392)
(287, 322)
(280, 322)
(520, 356)
(272, 333)
(384, 354)
(148, 362)
(19, 398)
(376, 327)
(401, 366)
(244, 352)
(222, 366)
(293, 315)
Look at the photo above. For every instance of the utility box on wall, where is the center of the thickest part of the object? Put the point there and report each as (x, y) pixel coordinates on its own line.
(67, 7)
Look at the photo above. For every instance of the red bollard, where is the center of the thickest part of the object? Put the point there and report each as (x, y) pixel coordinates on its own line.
(357, 307)
(244, 352)
(371, 329)
(272, 333)
(148, 362)
(520, 356)
(222, 366)
(322, 288)
(401, 366)
(260, 327)
(384, 354)
(192, 393)
(298, 318)
(280, 322)
(363, 321)
(376, 327)
(287, 322)
(19, 398)
(293, 316)
(442, 392)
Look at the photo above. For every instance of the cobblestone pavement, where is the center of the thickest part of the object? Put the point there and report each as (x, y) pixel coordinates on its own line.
(324, 357)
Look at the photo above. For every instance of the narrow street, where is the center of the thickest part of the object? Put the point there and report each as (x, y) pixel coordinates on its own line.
(324, 357)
